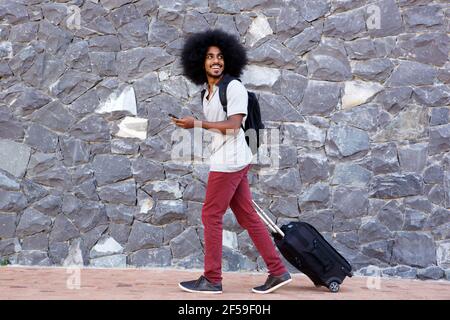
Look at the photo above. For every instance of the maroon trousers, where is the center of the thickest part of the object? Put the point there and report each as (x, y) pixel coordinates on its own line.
(231, 189)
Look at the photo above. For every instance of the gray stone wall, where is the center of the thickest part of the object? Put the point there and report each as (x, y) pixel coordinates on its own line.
(358, 89)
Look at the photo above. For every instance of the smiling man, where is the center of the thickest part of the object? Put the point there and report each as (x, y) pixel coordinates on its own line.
(207, 58)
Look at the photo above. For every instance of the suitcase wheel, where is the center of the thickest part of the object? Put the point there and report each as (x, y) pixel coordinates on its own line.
(333, 286)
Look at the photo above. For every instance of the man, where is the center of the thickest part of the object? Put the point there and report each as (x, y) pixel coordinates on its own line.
(206, 58)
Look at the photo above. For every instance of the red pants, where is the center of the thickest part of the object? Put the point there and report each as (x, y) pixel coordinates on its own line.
(231, 189)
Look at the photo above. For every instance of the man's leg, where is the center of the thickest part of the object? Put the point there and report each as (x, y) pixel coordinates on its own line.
(220, 189)
(242, 207)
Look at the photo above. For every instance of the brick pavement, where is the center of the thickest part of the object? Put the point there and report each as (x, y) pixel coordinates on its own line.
(35, 283)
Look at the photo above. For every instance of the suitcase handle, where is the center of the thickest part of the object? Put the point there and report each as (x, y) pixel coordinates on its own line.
(269, 223)
(321, 256)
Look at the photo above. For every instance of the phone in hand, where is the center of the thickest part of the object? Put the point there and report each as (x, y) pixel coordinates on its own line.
(173, 116)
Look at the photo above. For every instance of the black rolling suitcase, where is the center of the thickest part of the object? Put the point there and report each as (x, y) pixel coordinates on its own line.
(307, 250)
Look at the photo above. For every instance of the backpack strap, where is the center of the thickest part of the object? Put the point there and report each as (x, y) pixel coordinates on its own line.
(223, 85)
(203, 94)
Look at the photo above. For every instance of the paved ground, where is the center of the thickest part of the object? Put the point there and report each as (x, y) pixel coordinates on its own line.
(162, 284)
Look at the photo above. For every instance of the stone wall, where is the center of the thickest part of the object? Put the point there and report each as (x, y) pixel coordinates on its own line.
(358, 89)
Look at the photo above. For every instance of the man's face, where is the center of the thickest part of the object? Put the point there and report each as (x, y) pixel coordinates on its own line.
(214, 62)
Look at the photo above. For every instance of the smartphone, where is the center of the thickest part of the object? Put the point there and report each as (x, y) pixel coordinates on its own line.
(173, 116)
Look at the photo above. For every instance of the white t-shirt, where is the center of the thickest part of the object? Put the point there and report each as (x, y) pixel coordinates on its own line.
(229, 153)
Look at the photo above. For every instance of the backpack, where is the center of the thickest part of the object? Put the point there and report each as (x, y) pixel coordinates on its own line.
(253, 120)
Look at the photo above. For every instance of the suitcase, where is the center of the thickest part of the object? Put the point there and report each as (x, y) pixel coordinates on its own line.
(307, 250)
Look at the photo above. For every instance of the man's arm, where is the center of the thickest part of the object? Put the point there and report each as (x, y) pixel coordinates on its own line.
(229, 126)
(232, 123)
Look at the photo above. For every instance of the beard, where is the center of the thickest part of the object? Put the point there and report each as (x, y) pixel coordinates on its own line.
(215, 75)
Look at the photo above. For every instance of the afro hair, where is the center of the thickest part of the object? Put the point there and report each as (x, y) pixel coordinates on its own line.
(194, 53)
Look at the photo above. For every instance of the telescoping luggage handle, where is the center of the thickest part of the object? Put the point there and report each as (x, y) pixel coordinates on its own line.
(272, 226)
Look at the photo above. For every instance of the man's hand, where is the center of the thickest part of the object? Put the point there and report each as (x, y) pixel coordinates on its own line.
(185, 123)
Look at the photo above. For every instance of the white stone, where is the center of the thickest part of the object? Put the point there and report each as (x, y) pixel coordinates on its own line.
(409, 124)
(163, 75)
(14, 157)
(443, 254)
(75, 256)
(131, 127)
(171, 187)
(358, 92)
(6, 50)
(146, 205)
(259, 28)
(229, 239)
(106, 247)
(115, 261)
(310, 132)
(122, 99)
(260, 76)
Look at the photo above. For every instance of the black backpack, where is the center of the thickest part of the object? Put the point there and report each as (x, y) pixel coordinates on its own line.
(253, 120)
